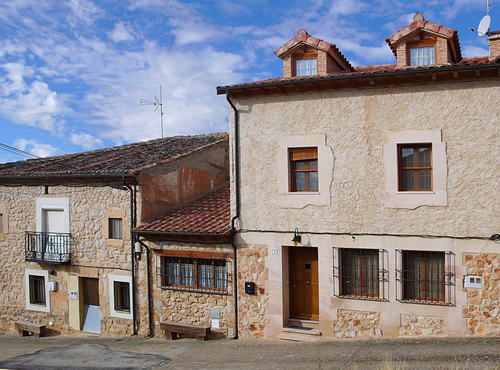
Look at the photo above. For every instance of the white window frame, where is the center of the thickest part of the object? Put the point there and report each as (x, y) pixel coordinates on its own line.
(413, 199)
(113, 312)
(293, 199)
(43, 204)
(37, 307)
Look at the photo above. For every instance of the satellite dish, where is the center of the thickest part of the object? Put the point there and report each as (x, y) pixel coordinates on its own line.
(484, 25)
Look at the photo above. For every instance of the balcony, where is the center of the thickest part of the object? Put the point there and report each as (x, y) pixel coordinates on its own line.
(47, 247)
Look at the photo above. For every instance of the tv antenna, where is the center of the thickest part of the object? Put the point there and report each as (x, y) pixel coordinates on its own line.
(484, 25)
(158, 103)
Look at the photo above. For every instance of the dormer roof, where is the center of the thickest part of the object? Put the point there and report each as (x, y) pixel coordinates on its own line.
(303, 39)
(419, 24)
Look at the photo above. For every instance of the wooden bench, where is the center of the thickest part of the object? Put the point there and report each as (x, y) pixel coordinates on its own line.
(24, 328)
(173, 328)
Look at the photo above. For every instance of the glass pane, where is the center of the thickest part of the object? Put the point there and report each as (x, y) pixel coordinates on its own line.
(205, 275)
(1, 223)
(407, 180)
(425, 180)
(306, 63)
(421, 52)
(313, 165)
(115, 228)
(37, 289)
(406, 157)
(313, 63)
(187, 274)
(430, 51)
(424, 157)
(313, 181)
(299, 181)
(299, 165)
(122, 296)
(414, 53)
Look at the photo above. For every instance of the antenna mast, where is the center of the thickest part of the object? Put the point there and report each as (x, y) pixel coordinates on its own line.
(158, 103)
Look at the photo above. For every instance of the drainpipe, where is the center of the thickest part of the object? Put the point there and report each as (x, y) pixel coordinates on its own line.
(237, 205)
(150, 311)
(132, 226)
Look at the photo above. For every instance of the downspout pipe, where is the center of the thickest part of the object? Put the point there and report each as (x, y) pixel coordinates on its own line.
(237, 206)
(150, 310)
(132, 257)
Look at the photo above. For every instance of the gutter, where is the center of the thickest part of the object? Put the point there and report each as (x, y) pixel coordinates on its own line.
(150, 310)
(237, 204)
(132, 257)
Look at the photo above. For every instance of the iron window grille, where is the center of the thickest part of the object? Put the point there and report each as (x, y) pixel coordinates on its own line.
(47, 247)
(361, 273)
(205, 275)
(37, 290)
(122, 296)
(425, 277)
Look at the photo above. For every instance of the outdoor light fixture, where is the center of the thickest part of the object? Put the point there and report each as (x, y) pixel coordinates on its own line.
(495, 237)
(296, 238)
(137, 251)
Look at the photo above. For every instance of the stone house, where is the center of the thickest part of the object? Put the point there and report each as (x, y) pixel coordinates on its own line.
(367, 198)
(69, 256)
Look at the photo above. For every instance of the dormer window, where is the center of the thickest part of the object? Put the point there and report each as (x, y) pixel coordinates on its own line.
(306, 67)
(422, 56)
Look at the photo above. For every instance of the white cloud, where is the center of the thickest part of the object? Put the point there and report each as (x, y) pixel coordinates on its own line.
(472, 51)
(83, 10)
(86, 141)
(121, 33)
(31, 104)
(37, 148)
(189, 32)
(342, 7)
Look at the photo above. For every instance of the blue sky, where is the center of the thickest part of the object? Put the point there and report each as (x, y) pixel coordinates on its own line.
(73, 72)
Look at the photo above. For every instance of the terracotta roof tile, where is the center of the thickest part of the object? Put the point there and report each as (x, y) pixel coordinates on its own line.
(208, 214)
(115, 161)
(361, 71)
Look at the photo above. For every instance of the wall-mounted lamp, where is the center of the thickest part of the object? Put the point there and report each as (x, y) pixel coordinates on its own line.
(495, 237)
(51, 272)
(296, 238)
(137, 251)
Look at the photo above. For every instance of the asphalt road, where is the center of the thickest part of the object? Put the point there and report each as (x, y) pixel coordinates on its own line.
(140, 353)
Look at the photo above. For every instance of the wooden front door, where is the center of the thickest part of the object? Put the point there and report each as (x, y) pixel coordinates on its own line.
(304, 293)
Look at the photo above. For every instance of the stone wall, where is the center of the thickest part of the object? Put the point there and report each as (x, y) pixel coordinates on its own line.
(353, 324)
(252, 308)
(190, 307)
(92, 254)
(413, 325)
(482, 310)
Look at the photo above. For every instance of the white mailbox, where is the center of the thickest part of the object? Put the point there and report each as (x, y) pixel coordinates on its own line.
(73, 294)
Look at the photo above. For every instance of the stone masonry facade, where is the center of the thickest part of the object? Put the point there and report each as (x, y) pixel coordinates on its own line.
(252, 308)
(189, 307)
(413, 325)
(354, 324)
(92, 254)
(483, 308)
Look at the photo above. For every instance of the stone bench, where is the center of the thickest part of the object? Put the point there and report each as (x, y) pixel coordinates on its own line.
(24, 328)
(173, 328)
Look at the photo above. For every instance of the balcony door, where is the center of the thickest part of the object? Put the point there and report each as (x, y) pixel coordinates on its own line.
(52, 224)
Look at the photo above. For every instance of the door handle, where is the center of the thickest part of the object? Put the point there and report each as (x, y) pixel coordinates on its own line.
(294, 286)
(308, 282)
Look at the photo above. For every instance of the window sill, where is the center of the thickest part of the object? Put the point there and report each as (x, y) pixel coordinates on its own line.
(196, 290)
(430, 303)
(362, 298)
(415, 199)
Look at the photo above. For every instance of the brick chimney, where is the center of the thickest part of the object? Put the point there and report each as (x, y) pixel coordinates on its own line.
(494, 40)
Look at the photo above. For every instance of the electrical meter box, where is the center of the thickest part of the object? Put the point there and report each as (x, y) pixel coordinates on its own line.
(473, 281)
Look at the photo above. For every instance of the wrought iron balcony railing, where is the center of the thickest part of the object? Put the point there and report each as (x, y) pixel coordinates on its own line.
(47, 247)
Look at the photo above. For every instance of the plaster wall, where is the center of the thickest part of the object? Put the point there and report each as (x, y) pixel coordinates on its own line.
(356, 124)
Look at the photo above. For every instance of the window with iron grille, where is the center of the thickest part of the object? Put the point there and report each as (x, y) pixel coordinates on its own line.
(115, 228)
(122, 296)
(192, 274)
(426, 277)
(1, 223)
(361, 273)
(37, 290)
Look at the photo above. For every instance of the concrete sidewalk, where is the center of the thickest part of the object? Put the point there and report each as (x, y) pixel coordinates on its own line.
(92, 352)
